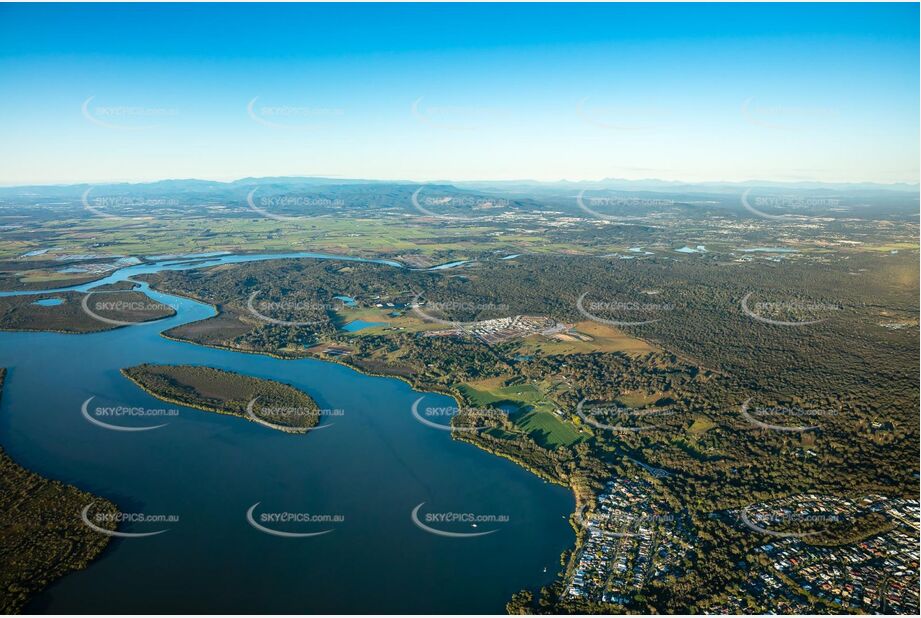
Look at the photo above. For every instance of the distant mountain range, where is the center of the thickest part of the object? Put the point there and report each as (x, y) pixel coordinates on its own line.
(671, 186)
(192, 185)
(325, 196)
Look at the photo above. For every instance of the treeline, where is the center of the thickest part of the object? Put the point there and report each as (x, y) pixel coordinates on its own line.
(850, 381)
(227, 392)
(42, 536)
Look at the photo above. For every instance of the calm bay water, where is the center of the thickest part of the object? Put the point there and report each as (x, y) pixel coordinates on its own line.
(371, 467)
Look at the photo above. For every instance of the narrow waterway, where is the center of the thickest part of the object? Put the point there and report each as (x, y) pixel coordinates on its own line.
(369, 469)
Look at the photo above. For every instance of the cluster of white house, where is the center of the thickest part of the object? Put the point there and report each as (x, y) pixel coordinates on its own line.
(631, 540)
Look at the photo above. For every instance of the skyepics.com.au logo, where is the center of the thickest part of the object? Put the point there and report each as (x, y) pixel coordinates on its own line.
(291, 419)
(292, 524)
(102, 416)
(457, 524)
(623, 524)
(595, 206)
(291, 117)
(786, 521)
(441, 417)
(99, 518)
(617, 312)
(454, 117)
(787, 207)
(615, 417)
(125, 117)
(805, 313)
(264, 205)
(142, 311)
(784, 117)
(448, 313)
(785, 418)
(108, 206)
(446, 206)
(265, 310)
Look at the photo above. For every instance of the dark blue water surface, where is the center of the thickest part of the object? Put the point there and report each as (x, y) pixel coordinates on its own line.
(356, 325)
(371, 466)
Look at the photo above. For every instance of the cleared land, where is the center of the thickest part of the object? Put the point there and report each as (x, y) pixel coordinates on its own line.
(531, 411)
(595, 337)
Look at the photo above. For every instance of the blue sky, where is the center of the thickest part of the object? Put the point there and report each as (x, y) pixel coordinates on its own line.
(707, 92)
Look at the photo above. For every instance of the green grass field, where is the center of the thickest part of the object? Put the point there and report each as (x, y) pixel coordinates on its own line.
(535, 416)
(701, 425)
(244, 234)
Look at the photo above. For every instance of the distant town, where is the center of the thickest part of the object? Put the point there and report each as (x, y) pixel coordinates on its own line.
(507, 329)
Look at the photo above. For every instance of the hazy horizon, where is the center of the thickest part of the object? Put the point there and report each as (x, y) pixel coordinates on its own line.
(664, 181)
(460, 309)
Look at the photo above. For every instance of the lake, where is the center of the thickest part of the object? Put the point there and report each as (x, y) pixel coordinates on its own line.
(371, 466)
(356, 325)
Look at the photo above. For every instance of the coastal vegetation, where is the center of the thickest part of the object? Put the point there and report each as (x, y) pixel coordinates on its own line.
(77, 312)
(721, 358)
(42, 537)
(268, 402)
(680, 390)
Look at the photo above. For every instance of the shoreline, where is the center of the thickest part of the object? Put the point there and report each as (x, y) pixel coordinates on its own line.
(146, 260)
(457, 397)
(205, 408)
(16, 596)
(458, 436)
